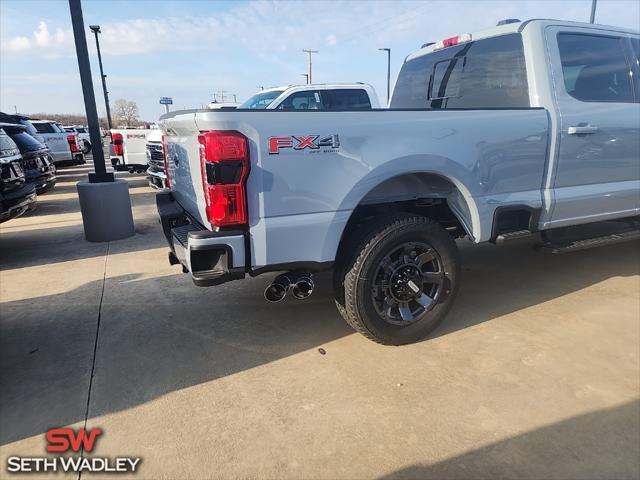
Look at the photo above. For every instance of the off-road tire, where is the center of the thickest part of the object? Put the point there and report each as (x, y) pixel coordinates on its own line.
(354, 271)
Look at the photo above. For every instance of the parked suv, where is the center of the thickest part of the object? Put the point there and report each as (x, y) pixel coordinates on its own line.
(16, 195)
(58, 141)
(36, 160)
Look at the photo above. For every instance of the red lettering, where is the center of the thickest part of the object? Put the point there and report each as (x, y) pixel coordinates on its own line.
(306, 142)
(276, 143)
(64, 439)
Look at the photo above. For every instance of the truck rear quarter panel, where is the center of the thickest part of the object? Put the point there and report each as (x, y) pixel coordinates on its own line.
(301, 199)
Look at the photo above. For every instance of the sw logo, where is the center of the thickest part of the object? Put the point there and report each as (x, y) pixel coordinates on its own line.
(65, 439)
(301, 142)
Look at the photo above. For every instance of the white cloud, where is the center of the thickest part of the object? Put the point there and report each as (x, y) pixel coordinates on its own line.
(272, 27)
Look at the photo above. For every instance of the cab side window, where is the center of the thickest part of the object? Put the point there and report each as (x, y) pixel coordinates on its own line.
(346, 99)
(302, 101)
(595, 68)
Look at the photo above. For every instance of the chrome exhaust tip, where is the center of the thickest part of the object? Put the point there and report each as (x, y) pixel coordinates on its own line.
(277, 290)
(303, 288)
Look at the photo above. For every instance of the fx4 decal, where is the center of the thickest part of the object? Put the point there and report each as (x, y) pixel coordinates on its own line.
(301, 142)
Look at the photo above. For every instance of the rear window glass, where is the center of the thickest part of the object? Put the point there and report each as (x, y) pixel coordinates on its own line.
(24, 141)
(486, 73)
(595, 68)
(345, 99)
(5, 142)
(45, 128)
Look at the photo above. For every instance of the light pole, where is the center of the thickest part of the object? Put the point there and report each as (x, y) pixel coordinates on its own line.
(388, 50)
(310, 52)
(593, 11)
(104, 202)
(96, 30)
(306, 76)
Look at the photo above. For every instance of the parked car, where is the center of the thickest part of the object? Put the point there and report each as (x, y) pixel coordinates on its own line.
(346, 96)
(128, 149)
(83, 135)
(37, 163)
(16, 194)
(60, 143)
(155, 158)
(54, 134)
(528, 129)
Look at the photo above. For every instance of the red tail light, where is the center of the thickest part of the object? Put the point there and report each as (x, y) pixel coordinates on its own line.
(224, 158)
(118, 144)
(72, 143)
(165, 160)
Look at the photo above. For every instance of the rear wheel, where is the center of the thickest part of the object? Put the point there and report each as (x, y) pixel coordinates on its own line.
(400, 281)
(87, 147)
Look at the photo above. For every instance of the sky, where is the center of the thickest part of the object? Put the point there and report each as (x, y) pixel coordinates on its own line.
(189, 50)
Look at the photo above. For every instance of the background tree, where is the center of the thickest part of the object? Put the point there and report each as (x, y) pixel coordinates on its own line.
(125, 113)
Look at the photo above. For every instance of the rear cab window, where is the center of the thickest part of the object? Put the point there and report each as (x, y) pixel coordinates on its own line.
(45, 127)
(486, 73)
(346, 99)
(595, 68)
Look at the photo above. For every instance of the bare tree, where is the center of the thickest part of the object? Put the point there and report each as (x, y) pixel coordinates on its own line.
(125, 113)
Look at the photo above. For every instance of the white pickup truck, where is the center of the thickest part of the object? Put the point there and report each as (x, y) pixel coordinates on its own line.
(529, 129)
(320, 96)
(83, 136)
(128, 149)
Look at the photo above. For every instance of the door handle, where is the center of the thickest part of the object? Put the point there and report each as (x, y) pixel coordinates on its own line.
(582, 129)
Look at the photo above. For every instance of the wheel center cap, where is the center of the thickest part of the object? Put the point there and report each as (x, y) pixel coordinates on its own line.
(406, 283)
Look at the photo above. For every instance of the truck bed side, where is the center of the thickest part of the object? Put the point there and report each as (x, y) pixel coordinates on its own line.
(300, 199)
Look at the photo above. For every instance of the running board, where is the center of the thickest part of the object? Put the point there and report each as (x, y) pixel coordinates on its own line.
(507, 237)
(589, 242)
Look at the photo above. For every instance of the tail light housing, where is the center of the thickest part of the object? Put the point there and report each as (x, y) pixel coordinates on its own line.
(73, 144)
(118, 144)
(165, 161)
(224, 158)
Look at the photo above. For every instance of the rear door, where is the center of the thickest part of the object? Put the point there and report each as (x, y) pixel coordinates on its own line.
(55, 140)
(598, 164)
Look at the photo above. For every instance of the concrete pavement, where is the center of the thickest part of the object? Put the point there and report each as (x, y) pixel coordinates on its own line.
(536, 372)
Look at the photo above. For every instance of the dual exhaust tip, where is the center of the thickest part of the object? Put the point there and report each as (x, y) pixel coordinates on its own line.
(301, 288)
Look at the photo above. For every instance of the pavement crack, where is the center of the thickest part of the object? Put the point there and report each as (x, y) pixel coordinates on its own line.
(95, 349)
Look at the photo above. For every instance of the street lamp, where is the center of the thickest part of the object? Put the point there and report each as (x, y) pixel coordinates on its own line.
(593, 11)
(388, 50)
(306, 76)
(96, 30)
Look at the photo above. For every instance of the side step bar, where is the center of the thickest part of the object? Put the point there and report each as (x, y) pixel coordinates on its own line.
(507, 237)
(589, 242)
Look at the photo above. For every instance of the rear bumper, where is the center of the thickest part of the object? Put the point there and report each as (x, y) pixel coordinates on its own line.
(157, 179)
(17, 202)
(212, 258)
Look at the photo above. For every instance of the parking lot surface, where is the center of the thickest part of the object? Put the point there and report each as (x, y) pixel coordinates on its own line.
(534, 374)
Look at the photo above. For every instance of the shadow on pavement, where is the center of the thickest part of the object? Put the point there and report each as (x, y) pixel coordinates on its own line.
(601, 444)
(162, 334)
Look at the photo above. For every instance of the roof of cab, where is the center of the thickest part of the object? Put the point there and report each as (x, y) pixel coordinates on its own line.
(519, 27)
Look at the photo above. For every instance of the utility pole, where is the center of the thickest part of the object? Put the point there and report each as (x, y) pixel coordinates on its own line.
(96, 30)
(306, 76)
(310, 52)
(593, 11)
(388, 50)
(15, 107)
(234, 98)
(221, 93)
(260, 87)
